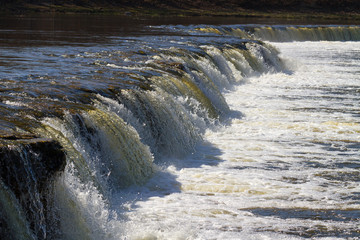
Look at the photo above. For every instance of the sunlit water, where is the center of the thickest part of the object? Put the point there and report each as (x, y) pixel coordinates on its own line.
(122, 95)
(287, 169)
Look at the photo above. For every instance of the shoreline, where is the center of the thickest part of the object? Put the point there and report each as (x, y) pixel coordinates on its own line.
(170, 11)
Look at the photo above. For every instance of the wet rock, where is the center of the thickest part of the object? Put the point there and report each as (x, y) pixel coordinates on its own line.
(28, 165)
(20, 154)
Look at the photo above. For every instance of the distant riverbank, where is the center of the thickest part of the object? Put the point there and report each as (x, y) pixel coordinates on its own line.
(292, 9)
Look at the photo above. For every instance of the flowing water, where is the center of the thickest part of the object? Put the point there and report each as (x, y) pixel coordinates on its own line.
(185, 130)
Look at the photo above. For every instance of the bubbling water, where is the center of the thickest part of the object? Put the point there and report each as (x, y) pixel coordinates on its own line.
(196, 136)
(288, 169)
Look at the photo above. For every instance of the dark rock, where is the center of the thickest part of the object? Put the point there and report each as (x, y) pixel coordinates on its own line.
(27, 167)
(43, 157)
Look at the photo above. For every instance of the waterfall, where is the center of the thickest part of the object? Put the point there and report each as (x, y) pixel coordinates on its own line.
(289, 33)
(115, 137)
(27, 171)
(12, 222)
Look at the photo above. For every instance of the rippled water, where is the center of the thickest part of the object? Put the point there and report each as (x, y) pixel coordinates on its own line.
(180, 131)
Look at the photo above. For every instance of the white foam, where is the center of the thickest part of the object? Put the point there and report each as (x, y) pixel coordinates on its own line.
(277, 172)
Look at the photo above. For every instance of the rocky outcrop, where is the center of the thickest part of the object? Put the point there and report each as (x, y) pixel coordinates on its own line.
(21, 156)
(28, 165)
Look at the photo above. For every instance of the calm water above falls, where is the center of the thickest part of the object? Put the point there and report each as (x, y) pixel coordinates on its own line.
(181, 131)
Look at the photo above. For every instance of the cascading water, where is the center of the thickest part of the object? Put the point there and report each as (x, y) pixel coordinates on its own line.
(26, 170)
(136, 137)
(289, 33)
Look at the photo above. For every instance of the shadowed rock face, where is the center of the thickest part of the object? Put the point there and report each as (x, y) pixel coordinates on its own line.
(21, 156)
(27, 167)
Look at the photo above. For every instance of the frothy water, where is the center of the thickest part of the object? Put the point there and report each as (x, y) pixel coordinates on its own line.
(287, 169)
(181, 132)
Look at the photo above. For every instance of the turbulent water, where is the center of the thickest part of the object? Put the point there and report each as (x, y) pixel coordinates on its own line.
(187, 131)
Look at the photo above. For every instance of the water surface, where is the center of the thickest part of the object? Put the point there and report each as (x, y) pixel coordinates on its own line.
(188, 128)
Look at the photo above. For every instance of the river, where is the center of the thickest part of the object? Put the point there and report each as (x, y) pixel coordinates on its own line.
(182, 128)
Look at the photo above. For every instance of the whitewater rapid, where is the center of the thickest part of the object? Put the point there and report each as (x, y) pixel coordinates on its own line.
(179, 131)
(285, 168)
